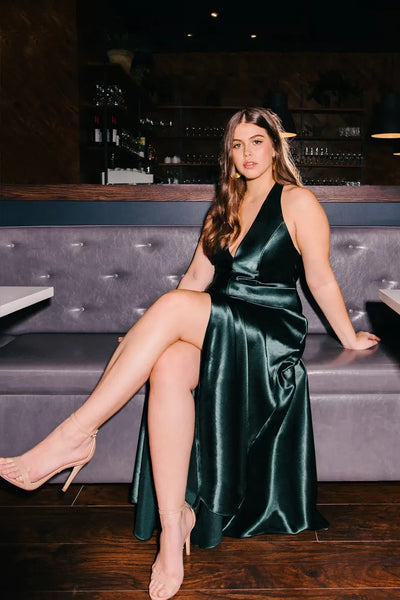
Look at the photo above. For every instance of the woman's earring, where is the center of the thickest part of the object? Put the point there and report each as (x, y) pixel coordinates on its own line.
(274, 163)
(236, 175)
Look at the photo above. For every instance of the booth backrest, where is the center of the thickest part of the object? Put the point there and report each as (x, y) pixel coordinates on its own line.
(106, 276)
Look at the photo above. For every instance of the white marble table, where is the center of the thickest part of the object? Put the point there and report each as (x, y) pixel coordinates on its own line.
(391, 298)
(15, 297)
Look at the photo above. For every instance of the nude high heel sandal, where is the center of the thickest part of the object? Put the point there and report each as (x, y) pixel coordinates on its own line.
(27, 484)
(170, 584)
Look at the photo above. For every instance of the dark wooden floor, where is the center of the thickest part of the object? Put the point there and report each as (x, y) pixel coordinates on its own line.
(80, 545)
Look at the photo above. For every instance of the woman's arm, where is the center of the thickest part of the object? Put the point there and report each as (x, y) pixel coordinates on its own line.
(199, 273)
(312, 234)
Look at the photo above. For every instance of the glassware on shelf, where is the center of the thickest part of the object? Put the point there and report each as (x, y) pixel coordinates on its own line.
(109, 95)
(323, 156)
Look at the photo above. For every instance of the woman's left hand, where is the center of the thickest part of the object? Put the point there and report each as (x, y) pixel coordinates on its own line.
(364, 340)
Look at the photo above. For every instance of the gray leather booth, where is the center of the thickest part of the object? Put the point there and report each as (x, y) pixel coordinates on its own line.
(53, 353)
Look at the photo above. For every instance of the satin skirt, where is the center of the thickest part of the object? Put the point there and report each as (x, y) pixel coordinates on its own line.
(252, 468)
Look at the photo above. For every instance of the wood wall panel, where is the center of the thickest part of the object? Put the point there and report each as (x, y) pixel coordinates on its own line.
(39, 99)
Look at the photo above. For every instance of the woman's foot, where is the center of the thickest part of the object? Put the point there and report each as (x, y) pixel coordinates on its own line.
(167, 570)
(65, 447)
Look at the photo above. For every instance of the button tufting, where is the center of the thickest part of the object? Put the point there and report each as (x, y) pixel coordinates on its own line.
(112, 276)
(46, 276)
(358, 246)
(11, 245)
(77, 244)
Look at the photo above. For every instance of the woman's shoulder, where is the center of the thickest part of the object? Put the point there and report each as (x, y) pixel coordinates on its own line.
(296, 198)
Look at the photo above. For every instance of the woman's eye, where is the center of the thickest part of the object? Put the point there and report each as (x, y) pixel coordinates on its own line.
(257, 141)
(235, 146)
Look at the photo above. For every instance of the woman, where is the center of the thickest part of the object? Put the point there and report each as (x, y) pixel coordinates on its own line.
(235, 325)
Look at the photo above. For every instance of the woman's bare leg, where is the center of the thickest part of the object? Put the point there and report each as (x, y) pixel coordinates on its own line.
(171, 429)
(171, 421)
(177, 315)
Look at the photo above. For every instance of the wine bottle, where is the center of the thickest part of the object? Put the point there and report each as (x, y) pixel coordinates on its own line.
(97, 134)
(114, 137)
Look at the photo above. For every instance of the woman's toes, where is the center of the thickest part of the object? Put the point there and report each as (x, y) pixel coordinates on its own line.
(9, 469)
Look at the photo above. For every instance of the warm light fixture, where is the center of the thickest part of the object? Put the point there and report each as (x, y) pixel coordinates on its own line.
(253, 35)
(386, 119)
(396, 149)
(214, 14)
(278, 102)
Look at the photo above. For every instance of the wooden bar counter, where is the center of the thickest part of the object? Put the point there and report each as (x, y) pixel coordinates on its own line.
(173, 204)
(180, 193)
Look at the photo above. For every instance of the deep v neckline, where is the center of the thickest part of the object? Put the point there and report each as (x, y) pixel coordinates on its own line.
(233, 256)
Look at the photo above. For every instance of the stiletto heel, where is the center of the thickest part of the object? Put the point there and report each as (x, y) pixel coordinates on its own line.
(170, 584)
(27, 484)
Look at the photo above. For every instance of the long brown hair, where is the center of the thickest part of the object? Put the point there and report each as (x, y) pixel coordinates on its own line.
(221, 226)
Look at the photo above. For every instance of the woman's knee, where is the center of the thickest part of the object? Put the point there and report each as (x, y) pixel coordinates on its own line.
(177, 366)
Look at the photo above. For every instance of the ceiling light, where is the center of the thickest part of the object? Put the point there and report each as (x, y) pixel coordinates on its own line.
(253, 35)
(214, 14)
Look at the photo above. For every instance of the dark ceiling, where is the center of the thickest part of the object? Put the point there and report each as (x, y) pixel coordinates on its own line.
(280, 25)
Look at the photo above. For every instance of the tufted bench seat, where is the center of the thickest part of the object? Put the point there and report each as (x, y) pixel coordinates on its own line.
(52, 354)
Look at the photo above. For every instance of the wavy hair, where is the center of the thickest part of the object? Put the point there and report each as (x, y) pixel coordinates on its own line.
(222, 226)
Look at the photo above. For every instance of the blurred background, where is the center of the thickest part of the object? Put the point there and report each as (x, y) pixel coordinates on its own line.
(71, 110)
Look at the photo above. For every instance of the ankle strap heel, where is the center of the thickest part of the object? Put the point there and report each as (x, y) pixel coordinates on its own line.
(77, 425)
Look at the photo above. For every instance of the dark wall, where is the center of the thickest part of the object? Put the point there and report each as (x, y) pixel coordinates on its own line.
(39, 102)
(245, 78)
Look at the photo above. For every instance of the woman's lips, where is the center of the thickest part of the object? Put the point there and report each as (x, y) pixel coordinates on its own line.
(249, 164)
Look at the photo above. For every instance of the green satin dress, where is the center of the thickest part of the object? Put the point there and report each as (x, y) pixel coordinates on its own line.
(252, 468)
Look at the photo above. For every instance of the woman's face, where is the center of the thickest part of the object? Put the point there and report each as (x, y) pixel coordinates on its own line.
(252, 150)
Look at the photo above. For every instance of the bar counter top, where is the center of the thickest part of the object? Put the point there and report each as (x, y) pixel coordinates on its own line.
(179, 193)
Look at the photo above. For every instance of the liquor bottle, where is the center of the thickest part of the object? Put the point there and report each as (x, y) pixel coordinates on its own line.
(151, 157)
(142, 147)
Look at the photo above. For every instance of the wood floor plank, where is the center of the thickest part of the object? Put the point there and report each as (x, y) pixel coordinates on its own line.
(83, 524)
(367, 523)
(47, 495)
(277, 566)
(324, 594)
(68, 525)
(370, 492)
(104, 495)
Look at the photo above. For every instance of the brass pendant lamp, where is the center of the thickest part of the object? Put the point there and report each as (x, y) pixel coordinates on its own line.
(386, 120)
(278, 102)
